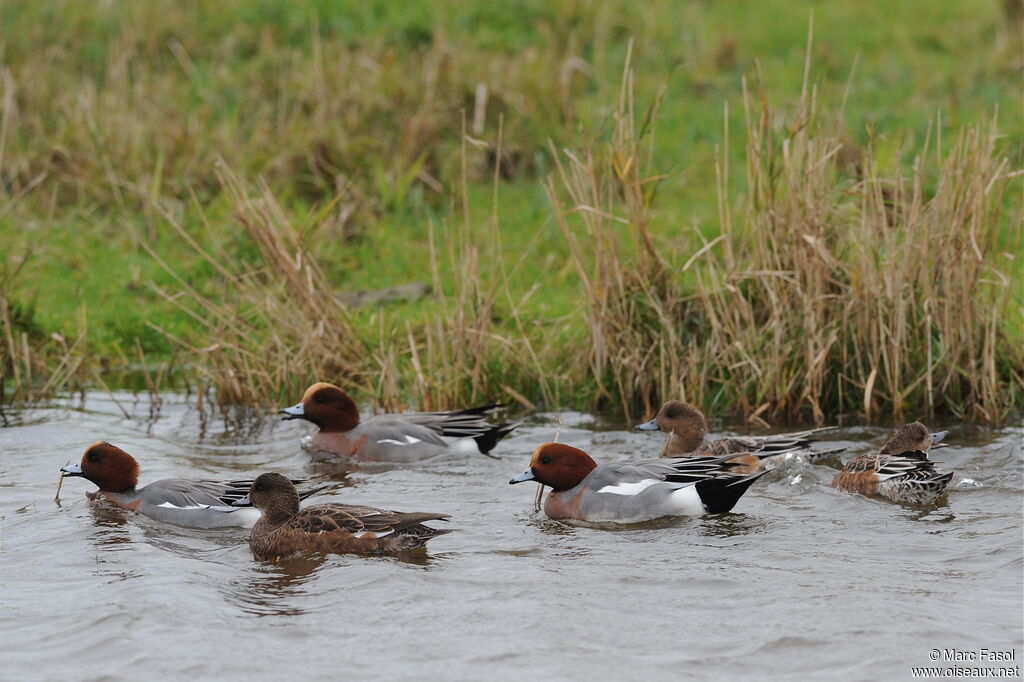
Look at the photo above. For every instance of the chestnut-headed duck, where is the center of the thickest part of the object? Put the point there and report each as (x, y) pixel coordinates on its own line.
(182, 502)
(686, 428)
(633, 491)
(284, 530)
(900, 470)
(390, 437)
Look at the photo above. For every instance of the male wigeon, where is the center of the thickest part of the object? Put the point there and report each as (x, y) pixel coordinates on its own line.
(900, 470)
(686, 428)
(390, 437)
(189, 503)
(634, 491)
(284, 530)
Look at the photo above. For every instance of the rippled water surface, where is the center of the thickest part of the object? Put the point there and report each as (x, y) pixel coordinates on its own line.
(801, 582)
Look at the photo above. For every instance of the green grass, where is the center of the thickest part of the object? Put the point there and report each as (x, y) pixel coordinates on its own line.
(112, 107)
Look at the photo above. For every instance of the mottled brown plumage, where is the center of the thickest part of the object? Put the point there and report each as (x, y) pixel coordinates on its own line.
(285, 530)
(899, 471)
(686, 427)
(914, 436)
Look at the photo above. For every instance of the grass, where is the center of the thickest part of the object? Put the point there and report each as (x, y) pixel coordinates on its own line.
(589, 242)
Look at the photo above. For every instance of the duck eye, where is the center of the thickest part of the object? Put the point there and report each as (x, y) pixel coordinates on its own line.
(94, 456)
(318, 398)
(545, 460)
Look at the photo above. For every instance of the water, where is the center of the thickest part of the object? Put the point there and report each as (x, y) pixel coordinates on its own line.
(801, 582)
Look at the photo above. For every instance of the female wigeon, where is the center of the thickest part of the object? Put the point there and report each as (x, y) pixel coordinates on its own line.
(390, 437)
(189, 503)
(635, 491)
(900, 470)
(284, 530)
(686, 428)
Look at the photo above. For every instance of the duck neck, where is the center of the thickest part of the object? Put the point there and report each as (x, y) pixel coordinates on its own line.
(679, 446)
(282, 509)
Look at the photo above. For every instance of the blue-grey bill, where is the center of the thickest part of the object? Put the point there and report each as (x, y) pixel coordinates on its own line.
(525, 476)
(296, 411)
(648, 426)
(242, 502)
(72, 470)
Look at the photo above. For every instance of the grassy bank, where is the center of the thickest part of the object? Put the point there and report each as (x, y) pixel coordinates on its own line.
(206, 187)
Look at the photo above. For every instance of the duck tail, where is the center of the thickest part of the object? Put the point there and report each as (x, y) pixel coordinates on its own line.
(489, 439)
(480, 411)
(309, 492)
(813, 456)
(417, 535)
(720, 494)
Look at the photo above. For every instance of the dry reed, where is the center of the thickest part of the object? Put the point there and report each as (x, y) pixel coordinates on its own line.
(867, 293)
(275, 325)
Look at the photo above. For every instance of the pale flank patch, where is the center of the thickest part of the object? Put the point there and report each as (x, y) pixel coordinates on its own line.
(378, 535)
(686, 502)
(462, 445)
(629, 488)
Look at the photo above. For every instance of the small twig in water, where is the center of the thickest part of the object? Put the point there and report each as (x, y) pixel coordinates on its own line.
(60, 482)
(540, 486)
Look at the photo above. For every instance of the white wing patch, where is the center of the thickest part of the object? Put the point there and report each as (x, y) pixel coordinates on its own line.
(629, 488)
(169, 505)
(212, 507)
(409, 440)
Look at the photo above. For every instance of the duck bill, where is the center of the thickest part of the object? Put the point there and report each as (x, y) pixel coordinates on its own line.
(648, 426)
(523, 477)
(242, 502)
(296, 411)
(938, 436)
(71, 470)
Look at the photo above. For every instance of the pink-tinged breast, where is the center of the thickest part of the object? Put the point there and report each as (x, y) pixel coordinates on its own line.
(863, 482)
(113, 498)
(340, 444)
(561, 506)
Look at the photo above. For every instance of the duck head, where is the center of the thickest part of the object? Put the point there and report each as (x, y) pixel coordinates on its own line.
(327, 406)
(274, 495)
(913, 436)
(557, 465)
(108, 466)
(682, 420)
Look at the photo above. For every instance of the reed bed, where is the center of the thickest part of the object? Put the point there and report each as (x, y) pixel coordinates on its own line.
(34, 367)
(209, 187)
(278, 325)
(269, 325)
(842, 290)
